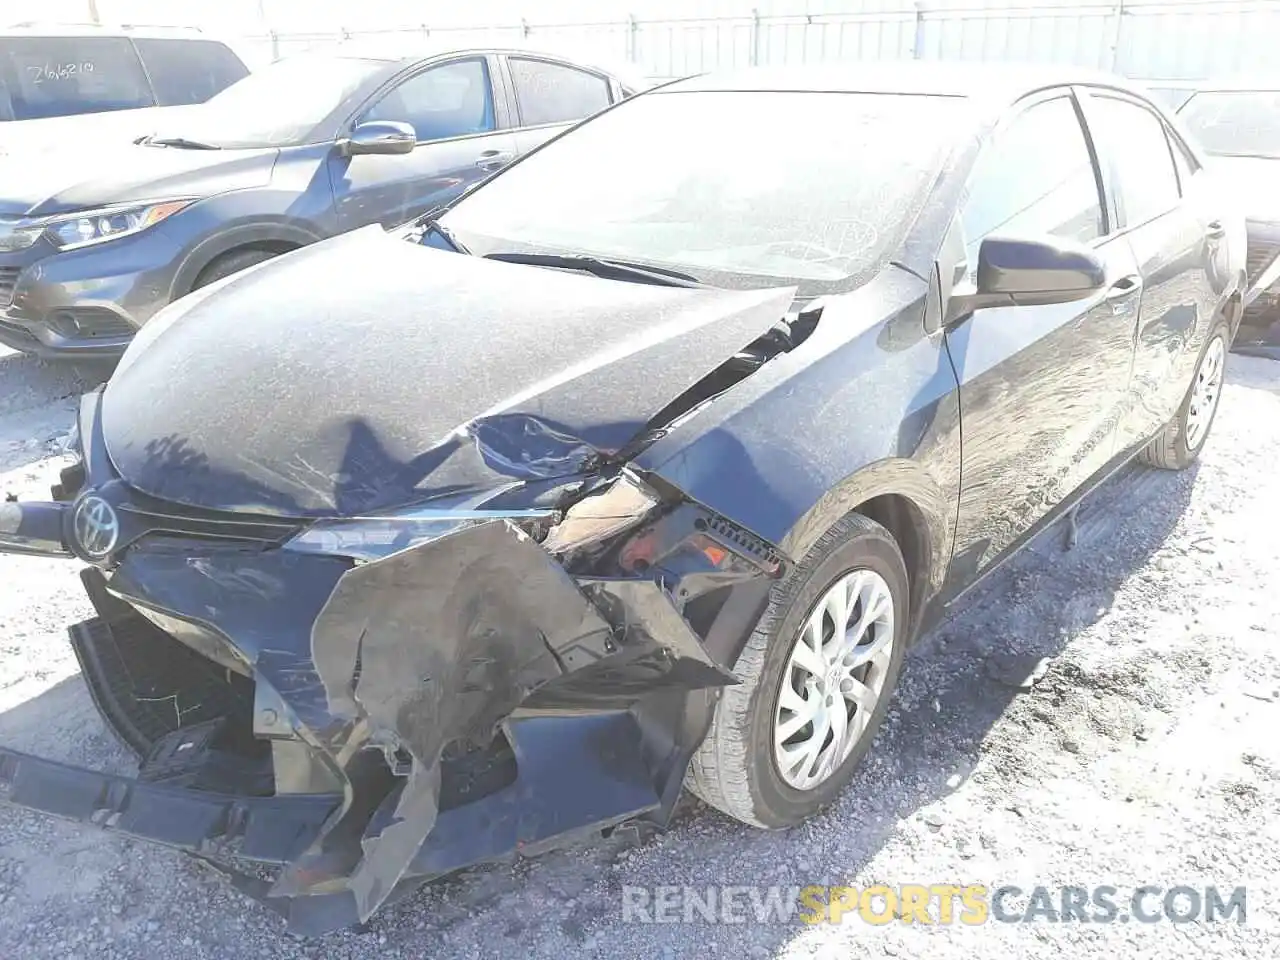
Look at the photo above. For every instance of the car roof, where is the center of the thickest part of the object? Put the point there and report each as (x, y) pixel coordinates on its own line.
(85, 30)
(997, 82)
(1269, 83)
(411, 48)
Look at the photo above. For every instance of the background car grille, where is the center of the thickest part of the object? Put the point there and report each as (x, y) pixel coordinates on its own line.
(8, 280)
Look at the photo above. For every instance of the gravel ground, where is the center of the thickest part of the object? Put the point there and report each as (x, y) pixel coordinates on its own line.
(1146, 754)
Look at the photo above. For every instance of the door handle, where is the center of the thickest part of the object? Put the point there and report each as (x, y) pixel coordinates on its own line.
(1216, 231)
(1125, 287)
(493, 159)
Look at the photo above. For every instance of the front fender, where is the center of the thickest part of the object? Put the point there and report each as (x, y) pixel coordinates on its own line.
(867, 406)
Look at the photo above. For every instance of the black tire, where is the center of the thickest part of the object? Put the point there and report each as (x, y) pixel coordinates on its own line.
(1170, 450)
(228, 263)
(734, 769)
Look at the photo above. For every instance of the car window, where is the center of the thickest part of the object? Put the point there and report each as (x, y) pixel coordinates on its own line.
(282, 104)
(1035, 177)
(451, 100)
(553, 93)
(1235, 123)
(64, 76)
(188, 71)
(1132, 141)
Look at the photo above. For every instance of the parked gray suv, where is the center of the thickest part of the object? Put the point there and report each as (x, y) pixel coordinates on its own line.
(93, 243)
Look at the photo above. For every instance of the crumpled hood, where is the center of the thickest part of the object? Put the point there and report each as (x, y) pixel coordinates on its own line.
(117, 171)
(1254, 183)
(367, 372)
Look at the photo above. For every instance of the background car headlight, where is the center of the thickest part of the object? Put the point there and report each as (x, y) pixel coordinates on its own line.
(95, 226)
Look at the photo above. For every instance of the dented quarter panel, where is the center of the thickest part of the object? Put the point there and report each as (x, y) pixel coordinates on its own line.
(866, 406)
(439, 373)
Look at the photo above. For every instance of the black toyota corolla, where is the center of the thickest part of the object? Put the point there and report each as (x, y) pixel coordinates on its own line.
(639, 466)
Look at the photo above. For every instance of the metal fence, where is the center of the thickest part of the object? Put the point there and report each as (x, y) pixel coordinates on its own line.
(1169, 43)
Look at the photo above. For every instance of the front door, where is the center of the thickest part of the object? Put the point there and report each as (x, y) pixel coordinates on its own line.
(1041, 388)
(451, 107)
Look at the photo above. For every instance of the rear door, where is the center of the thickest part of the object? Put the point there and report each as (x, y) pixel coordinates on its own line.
(462, 138)
(1166, 218)
(550, 96)
(1041, 388)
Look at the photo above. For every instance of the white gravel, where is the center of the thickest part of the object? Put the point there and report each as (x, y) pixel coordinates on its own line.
(1148, 754)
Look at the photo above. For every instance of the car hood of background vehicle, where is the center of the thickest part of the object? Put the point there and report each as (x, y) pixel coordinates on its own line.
(83, 177)
(83, 132)
(1254, 182)
(367, 372)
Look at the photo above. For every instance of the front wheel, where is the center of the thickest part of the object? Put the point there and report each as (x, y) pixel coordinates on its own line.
(1184, 436)
(817, 675)
(229, 263)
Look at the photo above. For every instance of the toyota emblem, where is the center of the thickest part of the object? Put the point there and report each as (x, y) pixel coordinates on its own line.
(96, 526)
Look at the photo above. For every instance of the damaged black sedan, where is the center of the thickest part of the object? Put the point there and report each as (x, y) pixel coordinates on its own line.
(640, 466)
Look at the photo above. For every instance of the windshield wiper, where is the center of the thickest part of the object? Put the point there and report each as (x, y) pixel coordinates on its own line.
(430, 225)
(607, 268)
(181, 142)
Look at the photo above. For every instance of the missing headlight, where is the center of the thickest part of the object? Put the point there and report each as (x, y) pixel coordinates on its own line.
(602, 515)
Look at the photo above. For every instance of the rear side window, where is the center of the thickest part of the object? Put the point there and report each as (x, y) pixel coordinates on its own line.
(64, 76)
(189, 71)
(1035, 177)
(450, 100)
(554, 93)
(1133, 143)
(1235, 124)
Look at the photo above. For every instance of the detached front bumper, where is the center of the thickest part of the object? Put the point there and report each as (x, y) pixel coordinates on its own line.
(368, 726)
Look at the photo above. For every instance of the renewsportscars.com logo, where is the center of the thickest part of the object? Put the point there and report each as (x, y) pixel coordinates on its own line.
(976, 904)
(937, 904)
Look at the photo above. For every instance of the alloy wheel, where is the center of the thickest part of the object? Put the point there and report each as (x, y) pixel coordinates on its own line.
(1205, 390)
(833, 679)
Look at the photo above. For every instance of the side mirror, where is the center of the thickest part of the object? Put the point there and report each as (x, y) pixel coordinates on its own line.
(380, 136)
(1028, 273)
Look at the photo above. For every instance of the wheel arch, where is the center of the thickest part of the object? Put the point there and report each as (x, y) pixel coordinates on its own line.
(276, 237)
(899, 495)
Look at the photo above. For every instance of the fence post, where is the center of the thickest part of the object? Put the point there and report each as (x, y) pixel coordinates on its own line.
(633, 31)
(917, 47)
(275, 45)
(755, 36)
(1114, 52)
